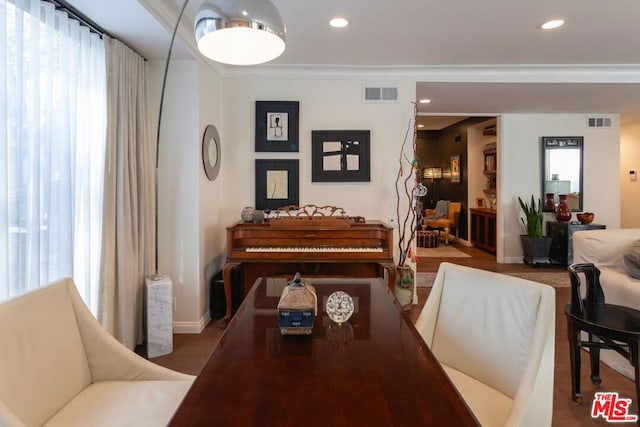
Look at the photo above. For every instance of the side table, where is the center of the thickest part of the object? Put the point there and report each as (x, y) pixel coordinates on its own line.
(561, 234)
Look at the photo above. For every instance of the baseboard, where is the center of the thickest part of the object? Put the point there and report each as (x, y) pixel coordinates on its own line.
(192, 327)
(463, 242)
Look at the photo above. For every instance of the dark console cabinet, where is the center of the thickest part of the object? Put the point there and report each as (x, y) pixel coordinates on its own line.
(483, 229)
(561, 234)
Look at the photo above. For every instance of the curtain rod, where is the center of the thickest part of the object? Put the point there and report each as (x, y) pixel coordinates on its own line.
(86, 21)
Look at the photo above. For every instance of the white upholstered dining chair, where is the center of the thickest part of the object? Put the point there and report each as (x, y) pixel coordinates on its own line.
(494, 335)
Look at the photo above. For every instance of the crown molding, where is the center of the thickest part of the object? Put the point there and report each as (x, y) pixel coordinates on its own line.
(545, 73)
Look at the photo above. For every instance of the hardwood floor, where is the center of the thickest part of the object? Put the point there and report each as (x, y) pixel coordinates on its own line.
(191, 351)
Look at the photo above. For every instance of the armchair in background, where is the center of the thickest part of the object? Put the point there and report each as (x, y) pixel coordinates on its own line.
(444, 217)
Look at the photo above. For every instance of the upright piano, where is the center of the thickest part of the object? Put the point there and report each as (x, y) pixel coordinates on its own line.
(313, 246)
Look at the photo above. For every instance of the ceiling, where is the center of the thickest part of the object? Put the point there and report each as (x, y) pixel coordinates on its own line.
(461, 36)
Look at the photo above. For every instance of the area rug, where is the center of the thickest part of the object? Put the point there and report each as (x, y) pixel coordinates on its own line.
(557, 279)
(442, 251)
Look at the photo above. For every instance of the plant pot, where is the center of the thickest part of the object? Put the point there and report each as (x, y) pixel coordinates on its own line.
(535, 250)
(405, 283)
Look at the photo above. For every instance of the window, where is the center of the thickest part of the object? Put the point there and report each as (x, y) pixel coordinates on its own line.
(52, 143)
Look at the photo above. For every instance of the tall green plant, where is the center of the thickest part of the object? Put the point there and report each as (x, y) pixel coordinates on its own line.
(534, 217)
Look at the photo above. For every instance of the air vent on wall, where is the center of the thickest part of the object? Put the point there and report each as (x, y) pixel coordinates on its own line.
(381, 94)
(599, 122)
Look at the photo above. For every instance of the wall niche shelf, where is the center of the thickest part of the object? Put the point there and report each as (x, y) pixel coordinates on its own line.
(490, 168)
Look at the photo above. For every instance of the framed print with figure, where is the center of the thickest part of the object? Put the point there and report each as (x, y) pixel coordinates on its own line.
(277, 126)
(276, 183)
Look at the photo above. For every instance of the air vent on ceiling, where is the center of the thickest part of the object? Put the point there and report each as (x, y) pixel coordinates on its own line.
(380, 94)
(599, 122)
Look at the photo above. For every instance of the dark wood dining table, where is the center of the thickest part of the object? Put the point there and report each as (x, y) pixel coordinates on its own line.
(374, 369)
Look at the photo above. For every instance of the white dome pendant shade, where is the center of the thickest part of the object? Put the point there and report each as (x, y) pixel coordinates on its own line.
(240, 32)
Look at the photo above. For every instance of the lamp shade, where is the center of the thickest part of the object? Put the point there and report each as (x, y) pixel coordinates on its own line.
(433, 172)
(240, 32)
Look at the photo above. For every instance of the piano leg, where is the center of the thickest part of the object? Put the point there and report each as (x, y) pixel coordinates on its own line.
(226, 277)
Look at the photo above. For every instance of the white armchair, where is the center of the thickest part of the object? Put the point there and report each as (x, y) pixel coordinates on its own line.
(59, 367)
(494, 336)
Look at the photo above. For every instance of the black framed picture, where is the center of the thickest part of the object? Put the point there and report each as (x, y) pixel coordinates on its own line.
(276, 183)
(277, 126)
(340, 155)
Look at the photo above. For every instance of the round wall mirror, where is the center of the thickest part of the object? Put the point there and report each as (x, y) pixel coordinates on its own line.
(211, 152)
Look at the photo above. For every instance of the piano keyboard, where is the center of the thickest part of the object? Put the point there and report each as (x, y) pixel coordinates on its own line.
(311, 249)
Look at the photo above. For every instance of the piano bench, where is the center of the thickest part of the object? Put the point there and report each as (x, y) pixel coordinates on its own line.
(428, 238)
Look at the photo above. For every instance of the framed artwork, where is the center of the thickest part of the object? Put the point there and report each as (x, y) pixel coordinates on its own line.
(277, 126)
(480, 202)
(455, 169)
(276, 183)
(340, 155)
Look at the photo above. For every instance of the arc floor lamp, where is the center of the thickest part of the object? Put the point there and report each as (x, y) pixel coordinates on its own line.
(234, 32)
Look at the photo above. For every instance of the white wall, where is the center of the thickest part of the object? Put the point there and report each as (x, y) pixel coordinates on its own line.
(324, 105)
(520, 168)
(630, 160)
(190, 240)
(197, 96)
(211, 227)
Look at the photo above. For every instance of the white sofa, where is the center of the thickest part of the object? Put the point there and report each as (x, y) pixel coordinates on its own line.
(494, 336)
(605, 249)
(59, 367)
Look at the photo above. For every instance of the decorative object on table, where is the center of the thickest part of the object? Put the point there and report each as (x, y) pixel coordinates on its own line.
(276, 126)
(407, 202)
(276, 183)
(340, 156)
(339, 307)
(455, 169)
(480, 202)
(258, 217)
(586, 217)
(549, 202)
(563, 211)
(535, 247)
(211, 152)
(248, 213)
(297, 308)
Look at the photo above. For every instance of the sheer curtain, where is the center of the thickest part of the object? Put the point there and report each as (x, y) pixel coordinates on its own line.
(52, 148)
(128, 239)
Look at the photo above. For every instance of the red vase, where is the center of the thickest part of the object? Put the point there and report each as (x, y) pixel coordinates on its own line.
(563, 211)
(549, 203)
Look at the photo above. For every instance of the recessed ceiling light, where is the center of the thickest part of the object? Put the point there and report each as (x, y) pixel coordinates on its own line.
(339, 22)
(425, 101)
(554, 23)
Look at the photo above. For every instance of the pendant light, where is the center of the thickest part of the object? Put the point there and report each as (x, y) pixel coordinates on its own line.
(239, 32)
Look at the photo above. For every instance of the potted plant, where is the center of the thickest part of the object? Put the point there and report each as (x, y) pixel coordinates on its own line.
(535, 247)
(408, 192)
